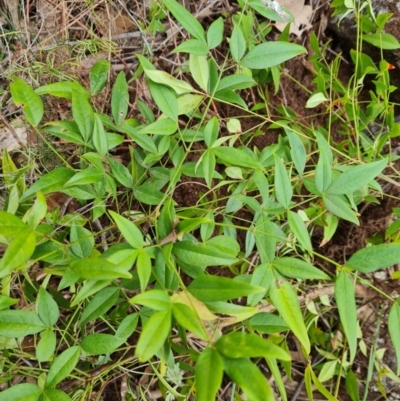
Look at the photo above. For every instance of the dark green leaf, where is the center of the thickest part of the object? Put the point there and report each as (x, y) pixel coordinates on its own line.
(268, 323)
(98, 76)
(283, 185)
(235, 157)
(236, 82)
(237, 43)
(83, 115)
(340, 208)
(99, 343)
(299, 269)
(100, 269)
(148, 195)
(120, 99)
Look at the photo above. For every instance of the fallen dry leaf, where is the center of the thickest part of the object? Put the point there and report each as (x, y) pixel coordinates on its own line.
(302, 21)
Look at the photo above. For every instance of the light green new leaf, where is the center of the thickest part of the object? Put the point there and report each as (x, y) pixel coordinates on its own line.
(154, 334)
(354, 178)
(165, 99)
(346, 303)
(23, 95)
(186, 19)
(384, 41)
(285, 300)
(298, 269)
(208, 373)
(82, 241)
(214, 288)
(340, 208)
(100, 344)
(100, 269)
(236, 157)
(120, 99)
(129, 230)
(143, 266)
(83, 115)
(87, 176)
(283, 186)
(148, 195)
(37, 212)
(100, 138)
(100, 304)
(18, 252)
(162, 77)
(394, 324)
(375, 257)
(47, 308)
(22, 392)
(188, 319)
(315, 100)
(201, 254)
(237, 43)
(215, 33)
(62, 366)
(297, 151)
(249, 378)
(127, 326)
(10, 225)
(249, 345)
(299, 229)
(50, 182)
(198, 66)
(46, 345)
(271, 53)
(20, 323)
(51, 394)
(98, 76)
(154, 299)
(265, 237)
(188, 103)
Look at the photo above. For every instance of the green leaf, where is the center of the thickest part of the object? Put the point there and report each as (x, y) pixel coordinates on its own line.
(46, 345)
(37, 212)
(100, 138)
(268, 323)
(299, 230)
(63, 89)
(22, 392)
(47, 308)
(315, 100)
(237, 43)
(18, 252)
(162, 77)
(265, 237)
(200, 254)
(236, 82)
(215, 33)
(50, 182)
(346, 303)
(192, 46)
(98, 76)
(20, 323)
(6, 302)
(165, 99)
(214, 288)
(283, 186)
(188, 319)
(271, 53)
(148, 195)
(89, 176)
(82, 241)
(51, 394)
(11, 225)
(185, 18)
(236, 157)
(23, 95)
(154, 299)
(127, 326)
(66, 130)
(228, 96)
(275, 13)
(208, 166)
(100, 304)
(375, 257)
(154, 334)
(198, 66)
(211, 131)
(189, 103)
(354, 178)
(99, 343)
(143, 266)
(384, 41)
(89, 288)
(163, 126)
(208, 373)
(62, 366)
(298, 269)
(285, 300)
(323, 171)
(83, 115)
(297, 151)
(99, 269)
(129, 230)
(394, 324)
(120, 99)
(248, 345)
(120, 173)
(352, 386)
(249, 378)
(340, 208)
